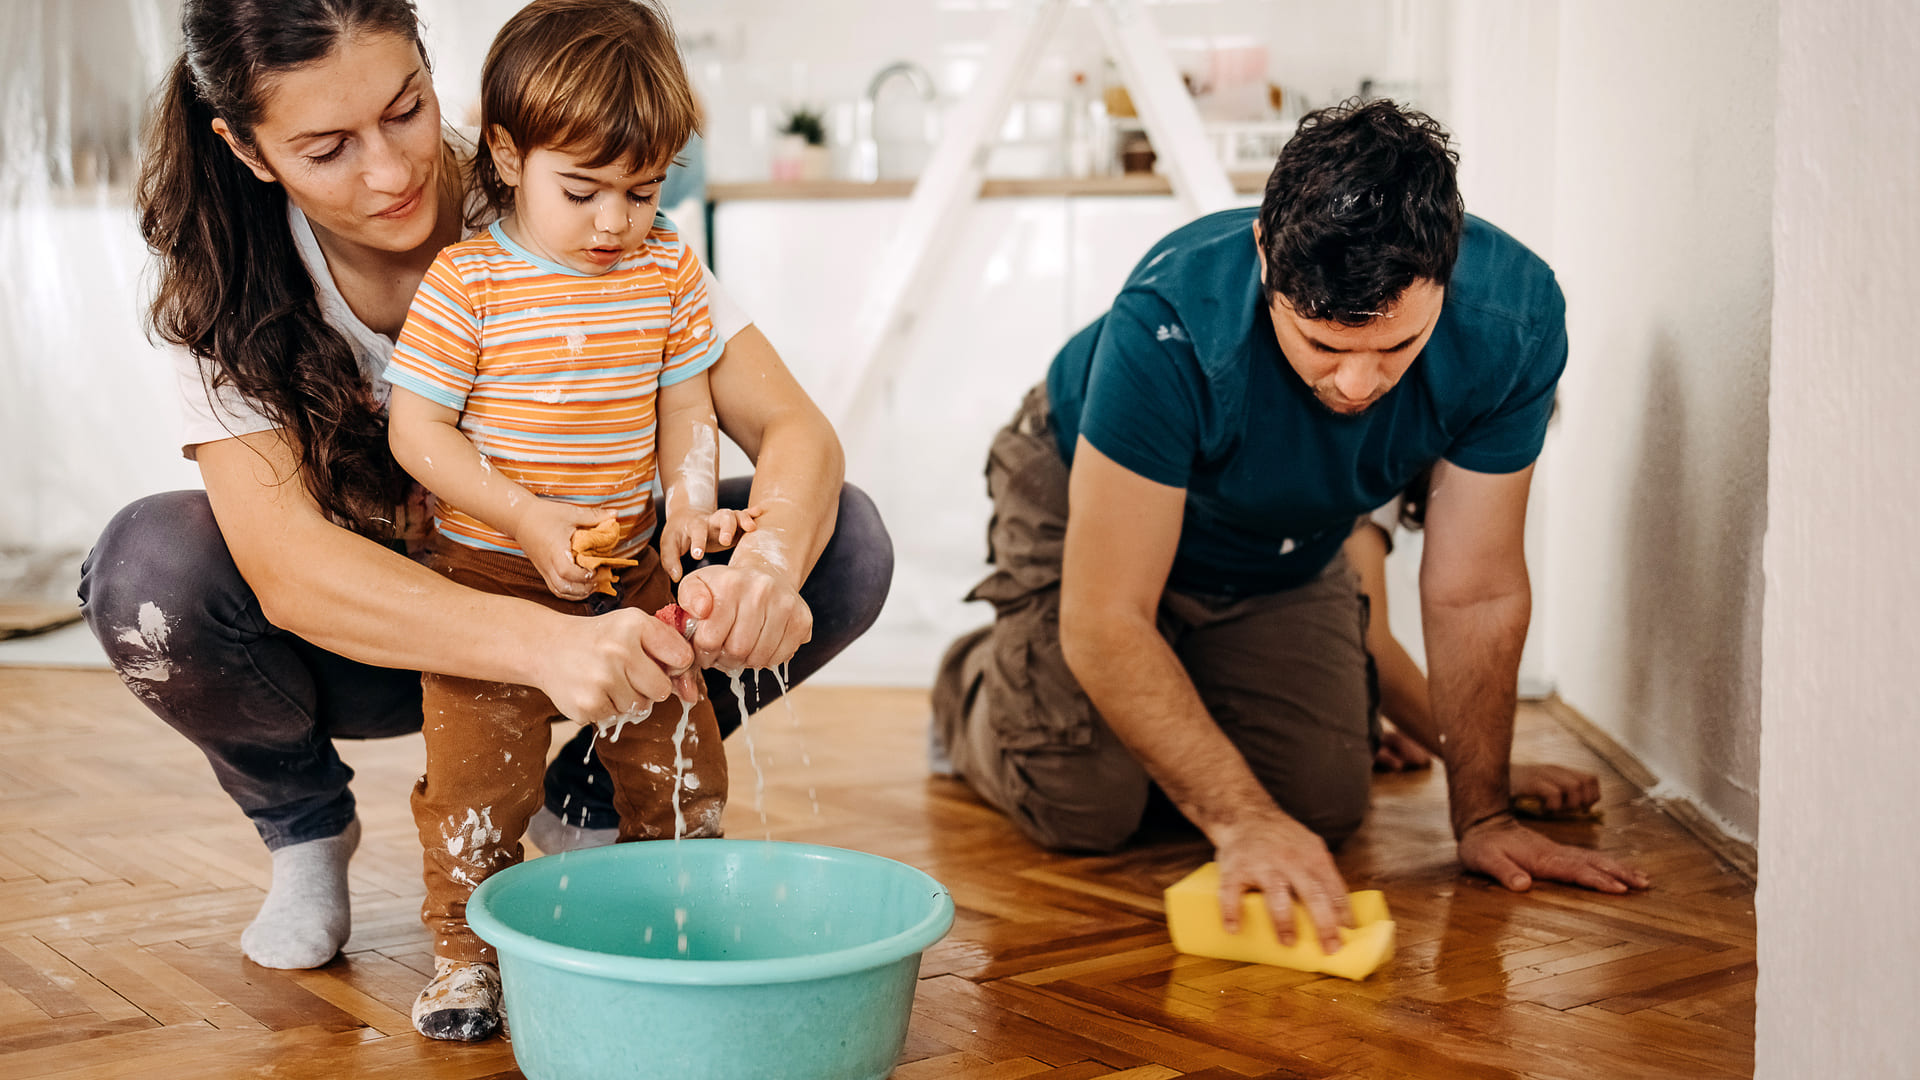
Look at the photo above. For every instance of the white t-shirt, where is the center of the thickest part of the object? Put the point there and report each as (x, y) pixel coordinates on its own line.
(210, 415)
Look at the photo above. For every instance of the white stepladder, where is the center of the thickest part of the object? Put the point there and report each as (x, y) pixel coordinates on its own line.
(951, 180)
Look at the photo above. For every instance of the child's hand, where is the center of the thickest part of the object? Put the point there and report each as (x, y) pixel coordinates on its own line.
(545, 533)
(696, 533)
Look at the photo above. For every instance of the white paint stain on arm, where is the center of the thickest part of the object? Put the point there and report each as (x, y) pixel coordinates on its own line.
(770, 544)
(698, 477)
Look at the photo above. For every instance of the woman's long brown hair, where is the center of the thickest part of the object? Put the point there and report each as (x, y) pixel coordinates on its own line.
(232, 289)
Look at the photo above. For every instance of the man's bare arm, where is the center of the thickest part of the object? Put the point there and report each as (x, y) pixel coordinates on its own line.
(1475, 604)
(1122, 531)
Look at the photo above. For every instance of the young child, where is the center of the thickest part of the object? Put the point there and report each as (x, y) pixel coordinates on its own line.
(549, 369)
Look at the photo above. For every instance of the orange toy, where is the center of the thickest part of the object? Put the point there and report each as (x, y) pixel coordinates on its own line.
(590, 548)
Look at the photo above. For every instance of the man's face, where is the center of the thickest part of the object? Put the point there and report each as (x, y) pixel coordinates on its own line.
(1351, 367)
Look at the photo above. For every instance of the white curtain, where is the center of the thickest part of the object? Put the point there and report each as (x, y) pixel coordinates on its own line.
(87, 419)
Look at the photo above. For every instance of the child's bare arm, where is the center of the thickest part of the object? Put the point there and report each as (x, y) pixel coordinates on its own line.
(688, 446)
(428, 443)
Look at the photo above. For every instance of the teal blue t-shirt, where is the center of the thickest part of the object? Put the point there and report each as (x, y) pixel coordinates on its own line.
(1182, 382)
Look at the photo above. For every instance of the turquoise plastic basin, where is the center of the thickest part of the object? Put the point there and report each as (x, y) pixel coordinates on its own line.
(798, 962)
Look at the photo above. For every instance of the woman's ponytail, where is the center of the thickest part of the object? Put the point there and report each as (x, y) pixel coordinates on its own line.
(232, 289)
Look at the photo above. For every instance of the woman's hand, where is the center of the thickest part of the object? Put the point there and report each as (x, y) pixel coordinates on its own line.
(544, 530)
(597, 668)
(749, 618)
(697, 532)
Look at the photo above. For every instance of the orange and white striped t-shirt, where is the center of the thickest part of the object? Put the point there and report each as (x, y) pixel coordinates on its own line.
(556, 373)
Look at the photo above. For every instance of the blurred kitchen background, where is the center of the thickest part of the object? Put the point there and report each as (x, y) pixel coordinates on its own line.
(819, 117)
(1623, 143)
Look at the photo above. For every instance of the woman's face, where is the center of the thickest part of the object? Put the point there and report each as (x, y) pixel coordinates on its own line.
(355, 139)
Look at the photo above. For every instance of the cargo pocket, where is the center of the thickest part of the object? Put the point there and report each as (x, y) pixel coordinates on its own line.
(1027, 482)
(1034, 701)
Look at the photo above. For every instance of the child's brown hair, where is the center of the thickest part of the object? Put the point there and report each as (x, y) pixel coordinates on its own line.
(597, 78)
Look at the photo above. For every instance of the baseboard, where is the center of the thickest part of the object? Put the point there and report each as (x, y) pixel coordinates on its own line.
(1741, 856)
(1535, 688)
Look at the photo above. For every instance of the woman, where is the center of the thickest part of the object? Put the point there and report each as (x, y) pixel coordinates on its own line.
(296, 187)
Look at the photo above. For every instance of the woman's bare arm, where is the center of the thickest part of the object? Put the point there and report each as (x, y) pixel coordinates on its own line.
(350, 595)
(798, 463)
(750, 609)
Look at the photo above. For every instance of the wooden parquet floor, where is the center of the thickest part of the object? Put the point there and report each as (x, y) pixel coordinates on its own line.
(126, 877)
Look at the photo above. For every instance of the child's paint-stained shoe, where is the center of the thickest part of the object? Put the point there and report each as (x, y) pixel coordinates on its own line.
(461, 1004)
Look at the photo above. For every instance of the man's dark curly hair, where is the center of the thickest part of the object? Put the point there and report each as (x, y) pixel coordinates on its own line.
(1362, 203)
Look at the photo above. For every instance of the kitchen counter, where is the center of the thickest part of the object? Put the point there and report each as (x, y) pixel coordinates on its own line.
(1244, 183)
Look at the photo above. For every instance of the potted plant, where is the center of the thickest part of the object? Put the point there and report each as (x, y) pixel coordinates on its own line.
(801, 153)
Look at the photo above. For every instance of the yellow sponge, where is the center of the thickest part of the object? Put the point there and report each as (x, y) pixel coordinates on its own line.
(1193, 918)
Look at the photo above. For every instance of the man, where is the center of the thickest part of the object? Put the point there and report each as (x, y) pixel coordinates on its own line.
(1172, 604)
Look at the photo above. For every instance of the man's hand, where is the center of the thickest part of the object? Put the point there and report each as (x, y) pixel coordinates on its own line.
(1282, 859)
(748, 618)
(1559, 789)
(1515, 855)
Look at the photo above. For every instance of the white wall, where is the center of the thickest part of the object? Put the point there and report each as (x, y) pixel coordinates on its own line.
(1638, 161)
(1838, 944)
(1663, 184)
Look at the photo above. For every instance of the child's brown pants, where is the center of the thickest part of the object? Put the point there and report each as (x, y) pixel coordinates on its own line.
(487, 751)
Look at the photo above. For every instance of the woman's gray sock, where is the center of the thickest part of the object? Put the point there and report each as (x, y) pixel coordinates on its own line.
(306, 918)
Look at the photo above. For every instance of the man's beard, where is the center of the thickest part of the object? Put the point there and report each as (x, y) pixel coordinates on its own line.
(1331, 411)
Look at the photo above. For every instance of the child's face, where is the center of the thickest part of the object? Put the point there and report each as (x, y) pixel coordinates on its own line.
(584, 219)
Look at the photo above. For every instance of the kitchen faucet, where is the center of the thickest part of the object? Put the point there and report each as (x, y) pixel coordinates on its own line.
(866, 165)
